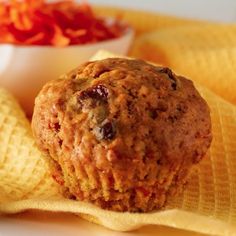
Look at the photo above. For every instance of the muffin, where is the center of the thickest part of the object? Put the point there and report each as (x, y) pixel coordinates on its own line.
(121, 134)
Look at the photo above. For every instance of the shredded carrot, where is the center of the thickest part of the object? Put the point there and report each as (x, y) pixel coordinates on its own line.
(62, 23)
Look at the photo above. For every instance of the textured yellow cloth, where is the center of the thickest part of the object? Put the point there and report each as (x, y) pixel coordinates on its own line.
(205, 53)
(23, 171)
(208, 205)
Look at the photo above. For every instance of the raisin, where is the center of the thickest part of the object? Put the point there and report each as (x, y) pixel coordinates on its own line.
(73, 76)
(170, 75)
(99, 92)
(167, 71)
(57, 127)
(153, 113)
(174, 86)
(106, 131)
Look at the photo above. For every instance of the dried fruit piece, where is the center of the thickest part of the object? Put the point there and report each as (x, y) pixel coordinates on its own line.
(99, 92)
(106, 131)
(170, 75)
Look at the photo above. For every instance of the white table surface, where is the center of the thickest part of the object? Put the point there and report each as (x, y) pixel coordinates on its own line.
(215, 10)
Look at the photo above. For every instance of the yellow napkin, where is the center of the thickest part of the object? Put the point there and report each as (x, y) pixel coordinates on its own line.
(206, 53)
(23, 172)
(208, 205)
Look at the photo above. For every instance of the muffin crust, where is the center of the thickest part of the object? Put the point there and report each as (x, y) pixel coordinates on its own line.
(121, 133)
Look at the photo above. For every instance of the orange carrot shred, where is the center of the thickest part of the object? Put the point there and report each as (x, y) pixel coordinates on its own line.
(62, 23)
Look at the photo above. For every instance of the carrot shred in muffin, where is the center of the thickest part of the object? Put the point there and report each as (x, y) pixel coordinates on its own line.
(62, 23)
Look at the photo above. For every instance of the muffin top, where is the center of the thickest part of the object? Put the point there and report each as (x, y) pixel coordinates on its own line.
(116, 113)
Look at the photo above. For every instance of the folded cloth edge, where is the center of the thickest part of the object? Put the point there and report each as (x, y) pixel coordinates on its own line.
(203, 224)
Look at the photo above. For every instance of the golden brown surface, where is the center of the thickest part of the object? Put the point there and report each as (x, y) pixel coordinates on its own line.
(121, 133)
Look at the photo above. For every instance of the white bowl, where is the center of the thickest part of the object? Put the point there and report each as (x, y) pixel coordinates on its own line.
(25, 69)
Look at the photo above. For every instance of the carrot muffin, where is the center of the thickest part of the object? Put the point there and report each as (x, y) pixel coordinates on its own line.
(121, 134)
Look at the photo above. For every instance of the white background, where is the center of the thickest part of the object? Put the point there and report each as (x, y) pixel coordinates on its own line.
(216, 10)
